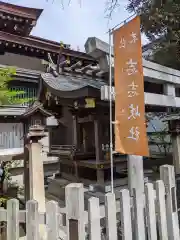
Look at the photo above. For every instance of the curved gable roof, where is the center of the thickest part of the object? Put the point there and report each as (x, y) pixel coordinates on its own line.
(68, 86)
(36, 106)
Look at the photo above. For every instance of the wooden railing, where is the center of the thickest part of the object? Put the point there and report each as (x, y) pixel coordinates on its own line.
(63, 147)
(160, 221)
(62, 151)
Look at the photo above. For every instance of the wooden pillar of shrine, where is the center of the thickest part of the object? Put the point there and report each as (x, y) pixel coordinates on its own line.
(75, 131)
(98, 149)
(75, 141)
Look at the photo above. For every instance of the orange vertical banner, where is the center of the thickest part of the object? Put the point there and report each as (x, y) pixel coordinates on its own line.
(130, 128)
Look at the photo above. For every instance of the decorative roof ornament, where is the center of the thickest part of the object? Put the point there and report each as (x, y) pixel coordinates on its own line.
(64, 65)
(62, 61)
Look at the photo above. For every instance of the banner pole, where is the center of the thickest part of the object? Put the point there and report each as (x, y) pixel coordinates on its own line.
(110, 113)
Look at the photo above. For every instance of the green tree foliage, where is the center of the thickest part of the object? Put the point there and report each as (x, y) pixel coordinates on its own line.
(7, 96)
(160, 19)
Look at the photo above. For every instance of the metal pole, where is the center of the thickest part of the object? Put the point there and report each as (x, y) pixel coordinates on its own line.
(110, 112)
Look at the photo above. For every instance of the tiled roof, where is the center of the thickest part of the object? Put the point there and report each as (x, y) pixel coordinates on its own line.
(12, 110)
(37, 106)
(42, 44)
(20, 11)
(66, 83)
(25, 73)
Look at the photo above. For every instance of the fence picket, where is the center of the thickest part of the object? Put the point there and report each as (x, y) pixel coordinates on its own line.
(161, 210)
(52, 220)
(74, 195)
(139, 224)
(32, 220)
(150, 211)
(13, 219)
(94, 219)
(110, 213)
(168, 176)
(126, 220)
(164, 206)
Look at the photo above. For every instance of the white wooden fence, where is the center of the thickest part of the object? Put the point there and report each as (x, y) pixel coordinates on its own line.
(11, 135)
(160, 221)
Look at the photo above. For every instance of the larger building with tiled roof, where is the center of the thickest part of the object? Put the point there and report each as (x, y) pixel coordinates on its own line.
(19, 49)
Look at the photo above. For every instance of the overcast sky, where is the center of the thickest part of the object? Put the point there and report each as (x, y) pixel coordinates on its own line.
(73, 24)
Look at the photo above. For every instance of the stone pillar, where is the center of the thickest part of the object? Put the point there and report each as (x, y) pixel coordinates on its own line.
(174, 127)
(36, 171)
(176, 163)
(176, 152)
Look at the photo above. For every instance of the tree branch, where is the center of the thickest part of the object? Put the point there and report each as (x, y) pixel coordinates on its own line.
(111, 5)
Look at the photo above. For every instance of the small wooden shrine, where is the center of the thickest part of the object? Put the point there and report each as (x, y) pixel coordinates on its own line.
(71, 91)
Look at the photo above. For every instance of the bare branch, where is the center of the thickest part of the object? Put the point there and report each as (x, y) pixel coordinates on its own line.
(111, 5)
(69, 2)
